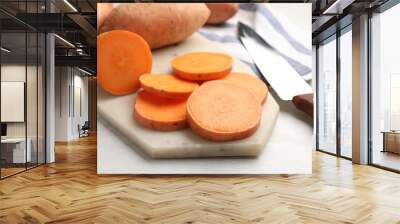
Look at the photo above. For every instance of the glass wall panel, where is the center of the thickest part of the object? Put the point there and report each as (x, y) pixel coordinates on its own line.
(41, 79)
(385, 89)
(327, 96)
(22, 88)
(346, 93)
(32, 88)
(14, 153)
(32, 96)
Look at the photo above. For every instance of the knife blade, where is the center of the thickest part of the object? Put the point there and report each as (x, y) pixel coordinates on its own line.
(283, 78)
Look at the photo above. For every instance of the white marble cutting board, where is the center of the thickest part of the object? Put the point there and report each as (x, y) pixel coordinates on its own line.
(117, 112)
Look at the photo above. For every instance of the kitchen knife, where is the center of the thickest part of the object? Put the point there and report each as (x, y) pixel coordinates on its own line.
(283, 78)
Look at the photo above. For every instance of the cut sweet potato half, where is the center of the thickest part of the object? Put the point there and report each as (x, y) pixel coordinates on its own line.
(202, 66)
(250, 82)
(222, 111)
(159, 113)
(167, 85)
(122, 57)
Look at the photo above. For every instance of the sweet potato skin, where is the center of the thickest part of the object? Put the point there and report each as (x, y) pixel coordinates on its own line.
(159, 126)
(103, 10)
(160, 24)
(221, 12)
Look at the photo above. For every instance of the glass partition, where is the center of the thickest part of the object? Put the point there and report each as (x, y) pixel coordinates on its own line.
(327, 96)
(346, 93)
(32, 95)
(385, 90)
(14, 145)
(22, 92)
(41, 97)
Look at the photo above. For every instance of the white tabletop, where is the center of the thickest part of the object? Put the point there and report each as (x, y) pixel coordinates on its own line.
(12, 140)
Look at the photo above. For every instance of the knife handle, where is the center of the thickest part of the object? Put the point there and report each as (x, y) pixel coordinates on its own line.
(305, 103)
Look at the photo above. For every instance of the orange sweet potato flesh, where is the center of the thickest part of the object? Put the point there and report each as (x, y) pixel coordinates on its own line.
(159, 113)
(122, 57)
(251, 83)
(221, 111)
(202, 66)
(103, 10)
(167, 85)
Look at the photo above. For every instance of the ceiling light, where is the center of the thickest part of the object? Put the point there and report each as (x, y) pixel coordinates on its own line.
(70, 5)
(84, 71)
(65, 41)
(5, 50)
(337, 7)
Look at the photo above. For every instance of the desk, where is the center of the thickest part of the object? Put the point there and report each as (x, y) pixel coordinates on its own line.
(391, 141)
(16, 148)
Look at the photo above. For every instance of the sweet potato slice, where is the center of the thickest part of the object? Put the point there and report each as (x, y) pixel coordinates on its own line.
(159, 113)
(202, 66)
(122, 57)
(250, 82)
(167, 85)
(222, 111)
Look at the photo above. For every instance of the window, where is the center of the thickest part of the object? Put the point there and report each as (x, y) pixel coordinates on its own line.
(346, 92)
(326, 88)
(385, 89)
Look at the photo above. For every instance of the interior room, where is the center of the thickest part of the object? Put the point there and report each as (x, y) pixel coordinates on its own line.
(51, 170)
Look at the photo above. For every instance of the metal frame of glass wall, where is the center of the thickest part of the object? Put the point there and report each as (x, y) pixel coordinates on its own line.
(35, 44)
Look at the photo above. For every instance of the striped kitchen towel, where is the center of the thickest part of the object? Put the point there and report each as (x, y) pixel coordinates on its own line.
(272, 25)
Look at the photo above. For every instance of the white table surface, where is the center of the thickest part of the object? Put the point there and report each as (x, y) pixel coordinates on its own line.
(18, 151)
(288, 151)
(12, 140)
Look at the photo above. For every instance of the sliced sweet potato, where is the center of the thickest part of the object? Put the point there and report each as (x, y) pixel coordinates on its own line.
(122, 57)
(222, 111)
(250, 82)
(202, 66)
(160, 113)
(167, 85)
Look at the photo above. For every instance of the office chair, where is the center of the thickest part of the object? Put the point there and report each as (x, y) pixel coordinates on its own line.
(84, 130)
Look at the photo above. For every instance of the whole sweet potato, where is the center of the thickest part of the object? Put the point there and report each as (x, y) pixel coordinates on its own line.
(160, 24)
(103, 10)
(220, 12)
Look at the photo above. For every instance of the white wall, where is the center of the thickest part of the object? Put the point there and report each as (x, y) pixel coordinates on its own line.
(62, 81)
(15, 72)
(70, 83)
